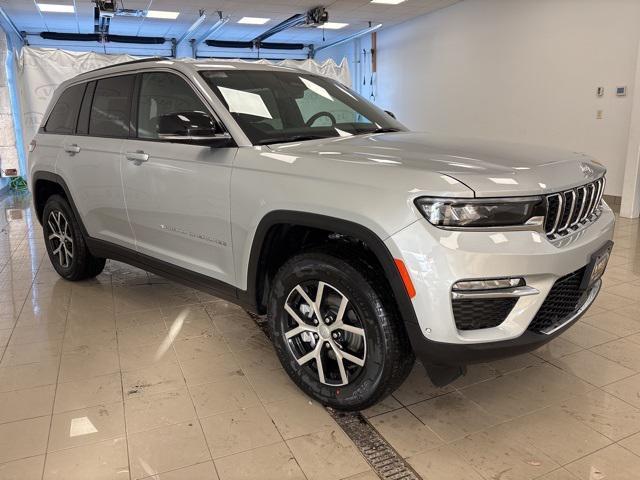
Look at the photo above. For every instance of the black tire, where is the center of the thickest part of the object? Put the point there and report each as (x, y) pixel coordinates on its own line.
(81, 264)
(388, 357)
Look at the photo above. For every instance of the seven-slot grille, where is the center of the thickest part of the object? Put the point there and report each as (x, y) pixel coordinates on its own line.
(568, 211)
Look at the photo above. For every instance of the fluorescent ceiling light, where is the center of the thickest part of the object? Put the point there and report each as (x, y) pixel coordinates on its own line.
(162, 14)
(333, 25)
(253, 20)
(53, 7)
(388, 2)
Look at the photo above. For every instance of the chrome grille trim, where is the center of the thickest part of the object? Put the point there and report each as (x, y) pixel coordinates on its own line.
(588, 204)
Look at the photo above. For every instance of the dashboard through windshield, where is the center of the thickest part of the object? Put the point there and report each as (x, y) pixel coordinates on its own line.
(278, 107)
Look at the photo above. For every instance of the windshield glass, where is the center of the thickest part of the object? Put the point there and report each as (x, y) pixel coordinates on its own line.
(276, 107)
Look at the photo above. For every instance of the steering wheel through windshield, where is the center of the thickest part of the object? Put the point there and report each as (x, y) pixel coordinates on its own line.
(318, 115)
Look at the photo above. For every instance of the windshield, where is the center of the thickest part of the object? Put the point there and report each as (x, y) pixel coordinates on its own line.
(276, 107)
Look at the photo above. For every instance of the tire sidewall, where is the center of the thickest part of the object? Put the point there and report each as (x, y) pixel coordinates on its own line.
(371, 312)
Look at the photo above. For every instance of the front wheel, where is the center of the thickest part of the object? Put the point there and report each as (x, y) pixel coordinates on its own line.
(335, 336)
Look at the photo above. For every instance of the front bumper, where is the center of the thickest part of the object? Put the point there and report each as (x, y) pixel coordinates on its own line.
(436, 259)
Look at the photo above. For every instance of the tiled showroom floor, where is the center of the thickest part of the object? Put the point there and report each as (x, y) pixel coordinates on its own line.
(131, 376)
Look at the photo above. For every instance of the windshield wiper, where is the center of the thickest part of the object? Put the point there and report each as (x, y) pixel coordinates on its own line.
(385, 130)
(292, 138)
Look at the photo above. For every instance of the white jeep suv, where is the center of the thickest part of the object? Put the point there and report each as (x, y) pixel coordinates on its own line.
(292, 196)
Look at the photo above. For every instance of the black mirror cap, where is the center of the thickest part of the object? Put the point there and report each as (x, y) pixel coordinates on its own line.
(188, 124)
(391, 114)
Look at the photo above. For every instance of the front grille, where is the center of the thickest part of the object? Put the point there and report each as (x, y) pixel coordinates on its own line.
(565, 297)
(569, 210)
(474, 314)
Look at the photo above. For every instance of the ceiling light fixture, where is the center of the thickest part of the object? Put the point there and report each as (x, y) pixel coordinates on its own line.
(162, 14)
(388, 2)
(333, 25)
(253, 20)
(55, 8)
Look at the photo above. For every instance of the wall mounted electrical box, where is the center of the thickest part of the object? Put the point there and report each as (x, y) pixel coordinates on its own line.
(600, 91)
(621, 91)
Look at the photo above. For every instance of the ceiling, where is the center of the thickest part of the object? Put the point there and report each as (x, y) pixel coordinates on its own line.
(357, 13)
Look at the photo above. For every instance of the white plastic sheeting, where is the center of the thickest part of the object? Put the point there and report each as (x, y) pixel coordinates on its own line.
(43, 69)
(8, 150)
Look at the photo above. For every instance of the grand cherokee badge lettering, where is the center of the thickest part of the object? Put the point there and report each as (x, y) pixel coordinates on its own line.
(200, 236)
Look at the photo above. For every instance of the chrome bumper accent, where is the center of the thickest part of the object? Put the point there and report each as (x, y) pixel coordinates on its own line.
(515, 292)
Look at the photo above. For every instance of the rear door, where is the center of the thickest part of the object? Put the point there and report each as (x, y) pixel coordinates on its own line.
(90, 161)
(177, 193)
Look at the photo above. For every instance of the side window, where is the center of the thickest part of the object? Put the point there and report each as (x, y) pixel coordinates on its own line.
(111, 106)
(64, 115)
(163, 94)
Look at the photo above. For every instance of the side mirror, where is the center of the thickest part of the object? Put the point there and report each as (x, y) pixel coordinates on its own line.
(190, 127)
(391, 114)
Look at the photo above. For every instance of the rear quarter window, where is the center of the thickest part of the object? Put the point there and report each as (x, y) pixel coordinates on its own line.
(65, 113)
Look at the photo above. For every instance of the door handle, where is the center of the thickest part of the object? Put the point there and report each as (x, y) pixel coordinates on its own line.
(72, 149)
(137, 157)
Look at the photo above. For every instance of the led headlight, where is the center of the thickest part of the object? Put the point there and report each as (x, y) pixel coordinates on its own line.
(482, 213)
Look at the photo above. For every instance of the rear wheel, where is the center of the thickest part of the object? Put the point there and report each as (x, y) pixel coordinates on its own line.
(66, 247)
(333, 333)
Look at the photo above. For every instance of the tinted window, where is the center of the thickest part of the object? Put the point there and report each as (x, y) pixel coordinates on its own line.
(64, 114)
(164, 94)
(111, 106)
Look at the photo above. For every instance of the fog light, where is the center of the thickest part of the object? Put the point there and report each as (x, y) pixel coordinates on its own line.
(488, 284)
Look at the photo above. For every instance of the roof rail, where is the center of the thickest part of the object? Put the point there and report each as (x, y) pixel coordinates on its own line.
(130, 62)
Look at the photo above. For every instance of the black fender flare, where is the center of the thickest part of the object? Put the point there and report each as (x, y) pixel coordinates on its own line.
(340, 226)
(57, 179)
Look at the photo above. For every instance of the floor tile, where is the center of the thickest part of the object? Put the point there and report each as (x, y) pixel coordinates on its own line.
(298, 416)
(88, 392)
(99, 461)
(614, 322)
(385, 405)
(226, 395)
(327, 455)
(200, 471)
(587, 336)
(632, 443)
(27, 376)
(453, 416)
(621, 351)
(496, 457)
(593, 368)
(611, 463)
(85, 426)
(406, 434)
(28, 403)
(166, 448)
(273, 462)
(627, 389)
(443, 463)
(88, 362)
(24, 438)
(234, 432)
(417, 387)
(155, 379)
(25, 469)
(166, 408)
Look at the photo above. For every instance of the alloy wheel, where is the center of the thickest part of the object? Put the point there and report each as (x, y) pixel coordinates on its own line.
(325, 333)
(60, 238)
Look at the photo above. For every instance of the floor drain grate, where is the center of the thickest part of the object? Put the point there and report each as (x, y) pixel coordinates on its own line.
(384, 460)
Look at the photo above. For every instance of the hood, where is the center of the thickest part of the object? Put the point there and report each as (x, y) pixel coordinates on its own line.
(489, 168)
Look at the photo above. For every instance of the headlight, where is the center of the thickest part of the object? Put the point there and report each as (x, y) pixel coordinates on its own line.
(482, 213)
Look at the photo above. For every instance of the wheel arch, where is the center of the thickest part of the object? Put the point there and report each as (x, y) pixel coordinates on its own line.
(46, 184)
(262, 245)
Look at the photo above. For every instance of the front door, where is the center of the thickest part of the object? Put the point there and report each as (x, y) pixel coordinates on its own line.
(177, 194)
